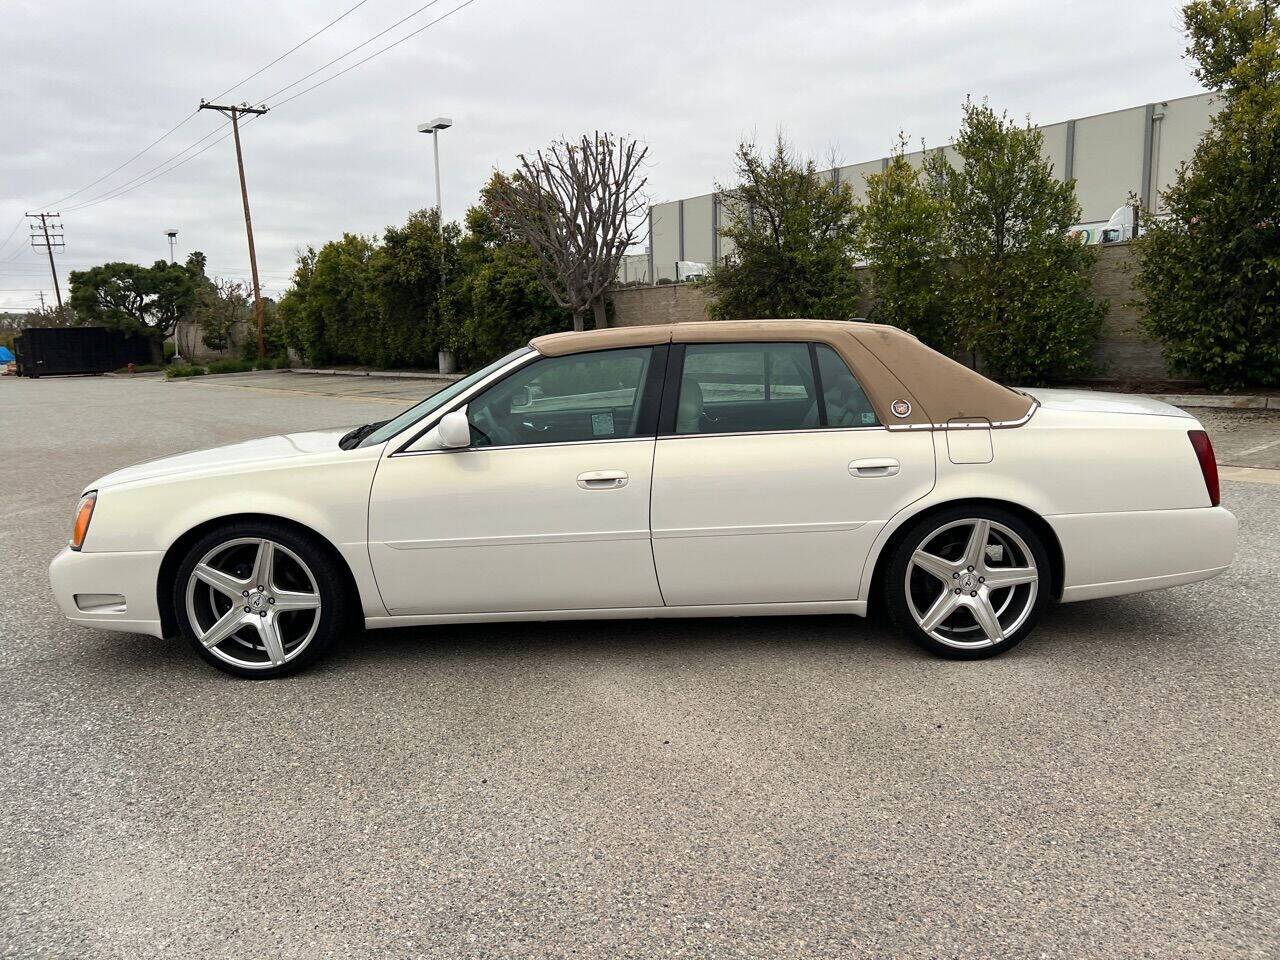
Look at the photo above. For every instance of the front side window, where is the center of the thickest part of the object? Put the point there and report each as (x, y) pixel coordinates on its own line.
(756, 387)
(585, 396)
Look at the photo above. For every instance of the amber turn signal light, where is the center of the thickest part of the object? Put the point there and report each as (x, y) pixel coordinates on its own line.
(84, 512)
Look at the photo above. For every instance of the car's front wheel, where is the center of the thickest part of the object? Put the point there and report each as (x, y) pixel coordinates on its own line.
(968, 582)
(259, 599)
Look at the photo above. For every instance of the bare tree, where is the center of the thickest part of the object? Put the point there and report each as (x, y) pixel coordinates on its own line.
(578, 205)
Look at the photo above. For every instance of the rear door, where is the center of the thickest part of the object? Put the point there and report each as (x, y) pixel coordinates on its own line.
(773, 475)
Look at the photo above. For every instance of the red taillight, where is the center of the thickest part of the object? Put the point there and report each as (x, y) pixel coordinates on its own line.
(1208, 465)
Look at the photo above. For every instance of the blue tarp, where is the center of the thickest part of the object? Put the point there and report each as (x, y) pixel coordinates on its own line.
(5, 355)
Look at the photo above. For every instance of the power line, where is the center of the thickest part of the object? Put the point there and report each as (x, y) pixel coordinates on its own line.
(16, 225)
(325, 66)
(153, 143)
(116, 191)
(291, 50)
(164, 136)
(130, 185)
(376, 53)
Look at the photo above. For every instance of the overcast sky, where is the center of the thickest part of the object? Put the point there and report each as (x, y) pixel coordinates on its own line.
(88, 84)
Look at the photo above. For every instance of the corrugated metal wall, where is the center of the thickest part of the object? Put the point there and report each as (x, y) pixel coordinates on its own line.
(1136, 150)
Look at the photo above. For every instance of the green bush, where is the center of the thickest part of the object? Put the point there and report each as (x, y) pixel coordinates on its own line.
(230, 366)
(170, 348)
(1209, 273)
(273, 363)
(1020, 288)
(142, 368)
(184, 370)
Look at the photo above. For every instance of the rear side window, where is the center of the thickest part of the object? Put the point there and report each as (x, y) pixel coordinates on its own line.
(843, 397)
(762, 387)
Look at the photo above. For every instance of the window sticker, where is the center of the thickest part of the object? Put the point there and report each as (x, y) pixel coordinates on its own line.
(602, 424)
(868, 417)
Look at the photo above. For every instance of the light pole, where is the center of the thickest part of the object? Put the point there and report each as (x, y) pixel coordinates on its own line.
(445, 360)
(434, 127)
(172, 234)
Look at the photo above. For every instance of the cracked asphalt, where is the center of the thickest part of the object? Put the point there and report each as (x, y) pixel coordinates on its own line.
(790, 787)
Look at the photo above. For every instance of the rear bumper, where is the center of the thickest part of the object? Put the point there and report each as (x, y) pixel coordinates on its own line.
(1109, 554)
(110, 591)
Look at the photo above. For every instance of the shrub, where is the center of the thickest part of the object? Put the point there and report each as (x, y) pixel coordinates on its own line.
(142, 368)
(230, 366)
(281, 362)
(793, 235)
(1020, 290)
(184, 370)
(1209, 274)
(902, 237)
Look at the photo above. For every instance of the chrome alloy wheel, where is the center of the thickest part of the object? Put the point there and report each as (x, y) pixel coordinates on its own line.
(971, 583)
(253, 603)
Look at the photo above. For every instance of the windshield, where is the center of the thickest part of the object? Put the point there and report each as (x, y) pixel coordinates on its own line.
(436, 401)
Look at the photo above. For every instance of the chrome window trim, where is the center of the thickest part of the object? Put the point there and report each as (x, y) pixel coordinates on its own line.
(647, 438)
(768, 433)
(992, 425)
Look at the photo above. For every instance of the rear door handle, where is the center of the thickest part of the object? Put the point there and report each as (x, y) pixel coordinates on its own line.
(875, 467)
(602, 479)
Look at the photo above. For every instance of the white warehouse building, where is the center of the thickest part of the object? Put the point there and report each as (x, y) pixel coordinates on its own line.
(1110, 155)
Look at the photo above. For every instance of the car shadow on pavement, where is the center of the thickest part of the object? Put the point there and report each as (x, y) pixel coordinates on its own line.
(1071, 630)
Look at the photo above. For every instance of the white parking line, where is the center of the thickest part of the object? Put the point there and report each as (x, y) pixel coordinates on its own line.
(1249, 474)
(1258, 449)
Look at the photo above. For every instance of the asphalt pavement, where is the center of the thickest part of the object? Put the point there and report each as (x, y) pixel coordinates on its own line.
(790, 787)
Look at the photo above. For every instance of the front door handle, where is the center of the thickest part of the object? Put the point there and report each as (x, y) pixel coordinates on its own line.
(602, 479)
(875, 467)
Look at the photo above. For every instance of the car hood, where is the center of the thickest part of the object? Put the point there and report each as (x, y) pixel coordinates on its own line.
(1093, 401)
(250, 452)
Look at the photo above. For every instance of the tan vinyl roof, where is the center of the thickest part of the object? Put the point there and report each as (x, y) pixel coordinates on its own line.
(890, 364)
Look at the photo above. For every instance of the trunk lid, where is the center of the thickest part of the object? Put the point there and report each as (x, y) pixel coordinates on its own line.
(1093, 401)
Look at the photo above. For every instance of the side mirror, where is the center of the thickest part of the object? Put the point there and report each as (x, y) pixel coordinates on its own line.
(454, 430)
(521, 398)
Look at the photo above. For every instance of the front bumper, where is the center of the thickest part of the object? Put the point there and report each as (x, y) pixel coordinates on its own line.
(110, 591)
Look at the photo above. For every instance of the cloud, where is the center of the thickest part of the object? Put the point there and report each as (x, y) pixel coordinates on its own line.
(92, 83)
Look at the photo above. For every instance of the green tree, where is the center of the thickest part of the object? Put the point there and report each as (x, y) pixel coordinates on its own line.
(330, 308)
(223, 307)
(1021, 301)
(793, 234)
(1209, 272)
(902, 238)
(135, 299)
(408, 277)
(498, 294)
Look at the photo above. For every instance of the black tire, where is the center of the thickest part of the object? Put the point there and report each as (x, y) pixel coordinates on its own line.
(321, 627)
(1025, 603)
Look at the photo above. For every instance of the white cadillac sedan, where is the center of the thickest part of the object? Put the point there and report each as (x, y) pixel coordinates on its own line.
(701, 469)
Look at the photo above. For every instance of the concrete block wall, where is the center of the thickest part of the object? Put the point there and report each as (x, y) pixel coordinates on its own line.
(1123, 353)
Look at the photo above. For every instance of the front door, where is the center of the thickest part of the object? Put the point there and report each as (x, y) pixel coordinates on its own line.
(775, 477)
(547, 509)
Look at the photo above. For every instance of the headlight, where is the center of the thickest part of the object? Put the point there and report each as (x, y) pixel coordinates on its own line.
(84, 513)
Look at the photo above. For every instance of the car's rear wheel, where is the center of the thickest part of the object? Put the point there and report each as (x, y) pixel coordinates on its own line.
(259, 599)
(968, 582)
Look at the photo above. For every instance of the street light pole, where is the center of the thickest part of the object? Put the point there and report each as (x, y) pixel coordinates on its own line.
(172, 234)
(434, 127)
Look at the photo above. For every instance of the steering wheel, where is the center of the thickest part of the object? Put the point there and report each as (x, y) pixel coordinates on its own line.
(488, 425)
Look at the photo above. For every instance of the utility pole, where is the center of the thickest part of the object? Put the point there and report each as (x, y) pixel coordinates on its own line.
(234, 112)
(56, 239)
